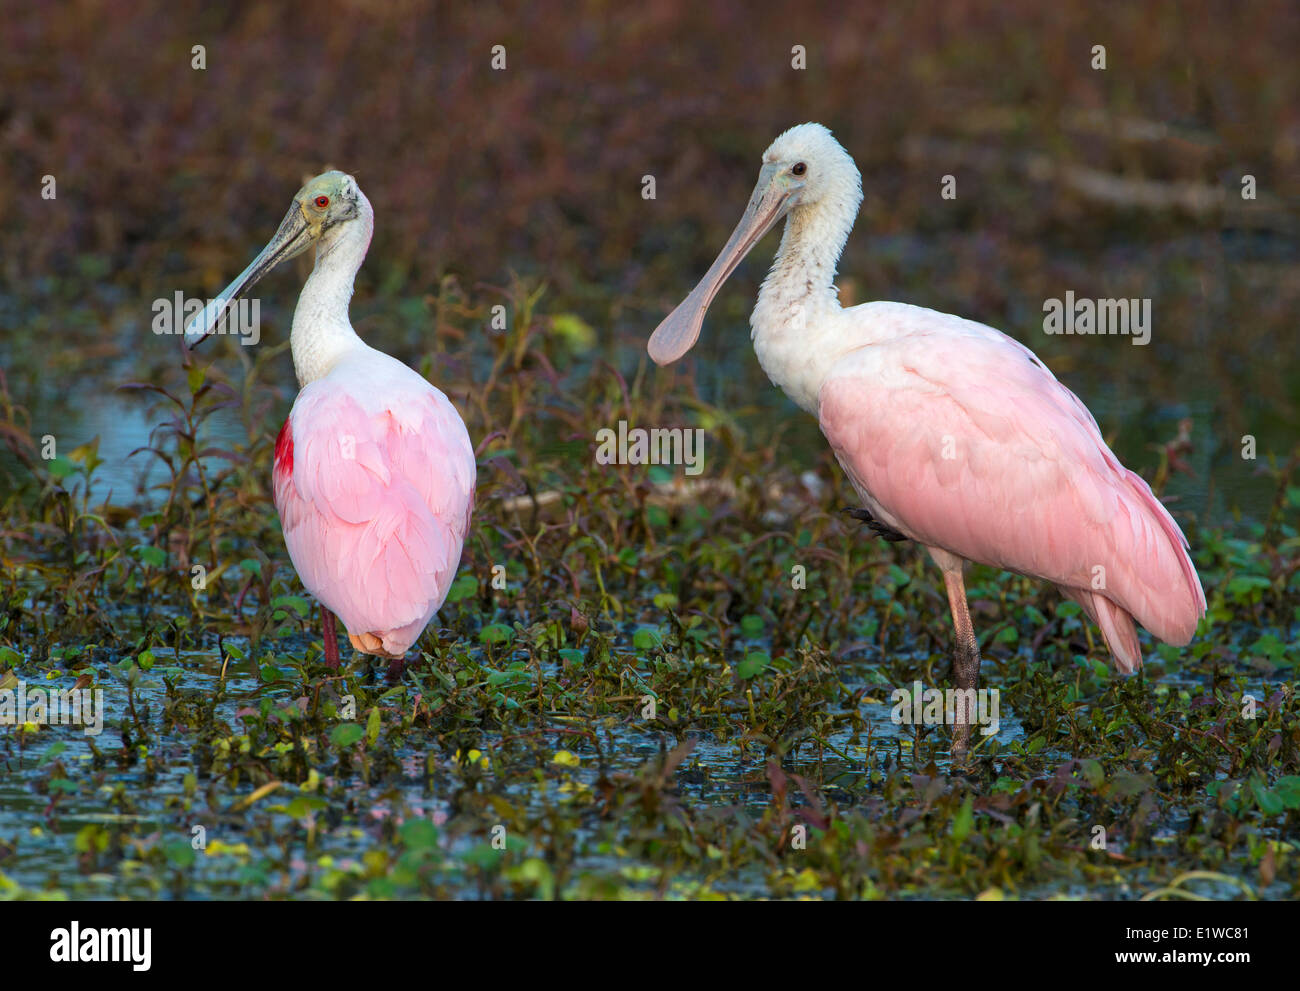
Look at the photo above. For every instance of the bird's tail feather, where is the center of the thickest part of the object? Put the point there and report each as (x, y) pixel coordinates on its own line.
(1117, 626)
(1178, 626)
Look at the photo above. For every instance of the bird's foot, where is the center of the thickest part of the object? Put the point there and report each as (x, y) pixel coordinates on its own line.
(372, 644)
(369, 643)
(880, 529)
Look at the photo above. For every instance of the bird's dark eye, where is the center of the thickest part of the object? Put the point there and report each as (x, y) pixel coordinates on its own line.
(322, 201)
(799, 169)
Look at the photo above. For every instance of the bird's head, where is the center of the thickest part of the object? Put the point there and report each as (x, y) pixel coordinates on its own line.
(319, 209)
(809, 166)
(802, 169)
(330, 199)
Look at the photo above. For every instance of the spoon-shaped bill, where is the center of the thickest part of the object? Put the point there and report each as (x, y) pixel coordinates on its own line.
(681, 328)
(294, 237)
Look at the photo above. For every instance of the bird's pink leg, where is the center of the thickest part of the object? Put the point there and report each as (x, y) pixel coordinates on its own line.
(966, 660)
(331, 639)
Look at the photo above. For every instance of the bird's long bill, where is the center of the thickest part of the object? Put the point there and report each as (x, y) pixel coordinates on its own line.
(293, 237)
(681, 328)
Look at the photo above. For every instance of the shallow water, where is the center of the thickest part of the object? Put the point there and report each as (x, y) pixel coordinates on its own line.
(714, 775)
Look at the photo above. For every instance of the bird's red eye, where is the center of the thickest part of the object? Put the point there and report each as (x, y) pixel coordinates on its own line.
(322, 201)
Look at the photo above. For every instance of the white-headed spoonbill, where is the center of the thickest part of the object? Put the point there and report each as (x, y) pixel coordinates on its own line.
(953, 434)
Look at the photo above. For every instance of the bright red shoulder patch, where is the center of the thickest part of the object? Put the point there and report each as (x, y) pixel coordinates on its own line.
(284, 450)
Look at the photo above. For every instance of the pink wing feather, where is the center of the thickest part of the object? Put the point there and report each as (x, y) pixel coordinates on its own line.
(959, 437)
(375, 485)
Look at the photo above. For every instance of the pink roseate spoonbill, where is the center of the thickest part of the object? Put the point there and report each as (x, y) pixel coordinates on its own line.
(374, 471)
(953, 434)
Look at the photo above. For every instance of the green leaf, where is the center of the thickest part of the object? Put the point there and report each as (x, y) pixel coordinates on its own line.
(462, 588)
(1034, 616)
(418, 834)
(1244, 587)
(516, 674)
(753, 664)
(1269, 802)
(646, 638)
(1093, 773)
(346, 734)
(60, 468)
(574, 331)
(963, 820)
(484, 856)
(1288, 790)
(304, 805)
(496, 633)
(155, 557)
(295, 602)
(1270, 646)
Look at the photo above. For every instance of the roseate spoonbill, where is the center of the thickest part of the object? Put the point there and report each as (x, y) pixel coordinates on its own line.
(374, 472)
(953, 434)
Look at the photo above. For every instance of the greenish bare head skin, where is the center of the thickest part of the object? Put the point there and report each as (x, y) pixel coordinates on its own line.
(326, 201)
(323, 203)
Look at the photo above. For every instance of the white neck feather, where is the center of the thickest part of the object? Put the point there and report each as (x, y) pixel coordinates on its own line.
(796, 320)
(322, 333)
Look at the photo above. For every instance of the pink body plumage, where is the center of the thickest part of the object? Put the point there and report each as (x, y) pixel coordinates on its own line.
(375, 487)
(374, 472)
(960, 438)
